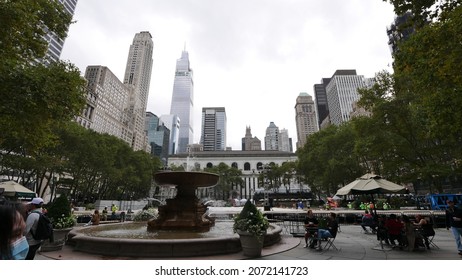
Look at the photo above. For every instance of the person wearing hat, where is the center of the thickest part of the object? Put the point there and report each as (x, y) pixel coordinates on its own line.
(35, 208)
(454, 222)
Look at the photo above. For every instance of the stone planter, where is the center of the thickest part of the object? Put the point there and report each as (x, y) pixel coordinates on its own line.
(251, 245)
(60, 238)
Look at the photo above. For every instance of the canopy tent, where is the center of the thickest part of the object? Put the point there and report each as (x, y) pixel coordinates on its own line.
(18, 191)
(370, 184)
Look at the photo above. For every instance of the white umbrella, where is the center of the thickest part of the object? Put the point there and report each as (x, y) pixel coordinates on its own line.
(370, 184)
(11, 188)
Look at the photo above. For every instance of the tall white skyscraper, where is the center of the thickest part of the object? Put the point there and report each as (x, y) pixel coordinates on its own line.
(183, 101)
(137, 79)
(55, 45)
(342, 92)
(213, 136)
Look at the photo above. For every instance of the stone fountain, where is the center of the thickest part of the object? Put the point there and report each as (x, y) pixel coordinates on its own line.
(182, 215)
(184, 211)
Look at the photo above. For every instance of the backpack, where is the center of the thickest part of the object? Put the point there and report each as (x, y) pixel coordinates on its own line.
(44, 228)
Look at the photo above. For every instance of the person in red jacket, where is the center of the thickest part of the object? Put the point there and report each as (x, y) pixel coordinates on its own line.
(394, 228)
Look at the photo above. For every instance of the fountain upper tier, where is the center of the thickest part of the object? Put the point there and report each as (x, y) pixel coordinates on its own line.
(184, 211)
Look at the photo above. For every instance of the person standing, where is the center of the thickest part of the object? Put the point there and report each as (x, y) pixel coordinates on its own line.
(114, 209)
(454, 222)
(35, 209)
(104, 216)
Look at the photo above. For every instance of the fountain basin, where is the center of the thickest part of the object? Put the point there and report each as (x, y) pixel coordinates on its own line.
(161, 248)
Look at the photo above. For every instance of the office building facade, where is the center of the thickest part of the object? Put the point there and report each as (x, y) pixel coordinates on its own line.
(172, 122)
(305, 118)
(107, 102)
(322, 108)
(158, 136)
(272, 138)
(55, 44)
(119, 108)
(183, 101)
(137, 78)
(213, 136)
(250, 143)
(342, 92)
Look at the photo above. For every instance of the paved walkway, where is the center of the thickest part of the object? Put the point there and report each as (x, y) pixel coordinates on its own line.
(352, 244)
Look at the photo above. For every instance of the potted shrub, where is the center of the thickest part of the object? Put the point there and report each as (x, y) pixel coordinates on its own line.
(251, 226)
(60, 214)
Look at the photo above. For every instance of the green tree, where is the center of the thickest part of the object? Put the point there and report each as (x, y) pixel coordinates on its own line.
(328, 161)
(35, 99)
(24, 24)
(229, 178)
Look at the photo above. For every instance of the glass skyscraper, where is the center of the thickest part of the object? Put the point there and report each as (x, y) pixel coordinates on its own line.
(183, 101)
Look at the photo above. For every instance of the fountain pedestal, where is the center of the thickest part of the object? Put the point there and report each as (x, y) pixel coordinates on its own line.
(185, 211)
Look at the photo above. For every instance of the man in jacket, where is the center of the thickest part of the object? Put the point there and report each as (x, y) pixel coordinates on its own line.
(454, 221)
(35, 208)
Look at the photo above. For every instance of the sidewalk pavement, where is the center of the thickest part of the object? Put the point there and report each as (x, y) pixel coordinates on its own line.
(352, 243)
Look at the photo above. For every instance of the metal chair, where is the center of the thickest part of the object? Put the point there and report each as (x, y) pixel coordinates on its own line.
(330, 244)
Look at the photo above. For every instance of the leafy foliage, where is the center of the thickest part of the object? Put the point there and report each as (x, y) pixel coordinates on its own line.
(60, 213)
(251, 220)
(229, 177)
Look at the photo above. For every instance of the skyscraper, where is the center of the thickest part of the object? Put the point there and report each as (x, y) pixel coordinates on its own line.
(272, 138)
(55, 45)
(107, 101)
(172, 122)
(119, 108)
(284, 141)
(158, 136)
(137, 78)
(342, 92)
(305, 117)
(322, 110)
(213, 136)
(183, 101)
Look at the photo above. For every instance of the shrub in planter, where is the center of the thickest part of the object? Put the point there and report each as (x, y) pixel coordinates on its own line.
(251, 220)
(60, 213)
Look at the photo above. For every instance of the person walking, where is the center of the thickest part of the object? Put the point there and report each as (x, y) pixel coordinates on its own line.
(454, 222)
(35, 209)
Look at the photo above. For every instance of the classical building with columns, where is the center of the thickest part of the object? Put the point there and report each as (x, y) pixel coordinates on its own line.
(251, 163)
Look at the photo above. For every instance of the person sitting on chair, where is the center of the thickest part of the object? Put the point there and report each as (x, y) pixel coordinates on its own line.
(330, 232)
(394, 228)
(426, 227)
(311, 224)
(368, 221)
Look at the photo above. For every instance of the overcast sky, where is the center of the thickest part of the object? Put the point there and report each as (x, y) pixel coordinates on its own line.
(252, 57)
